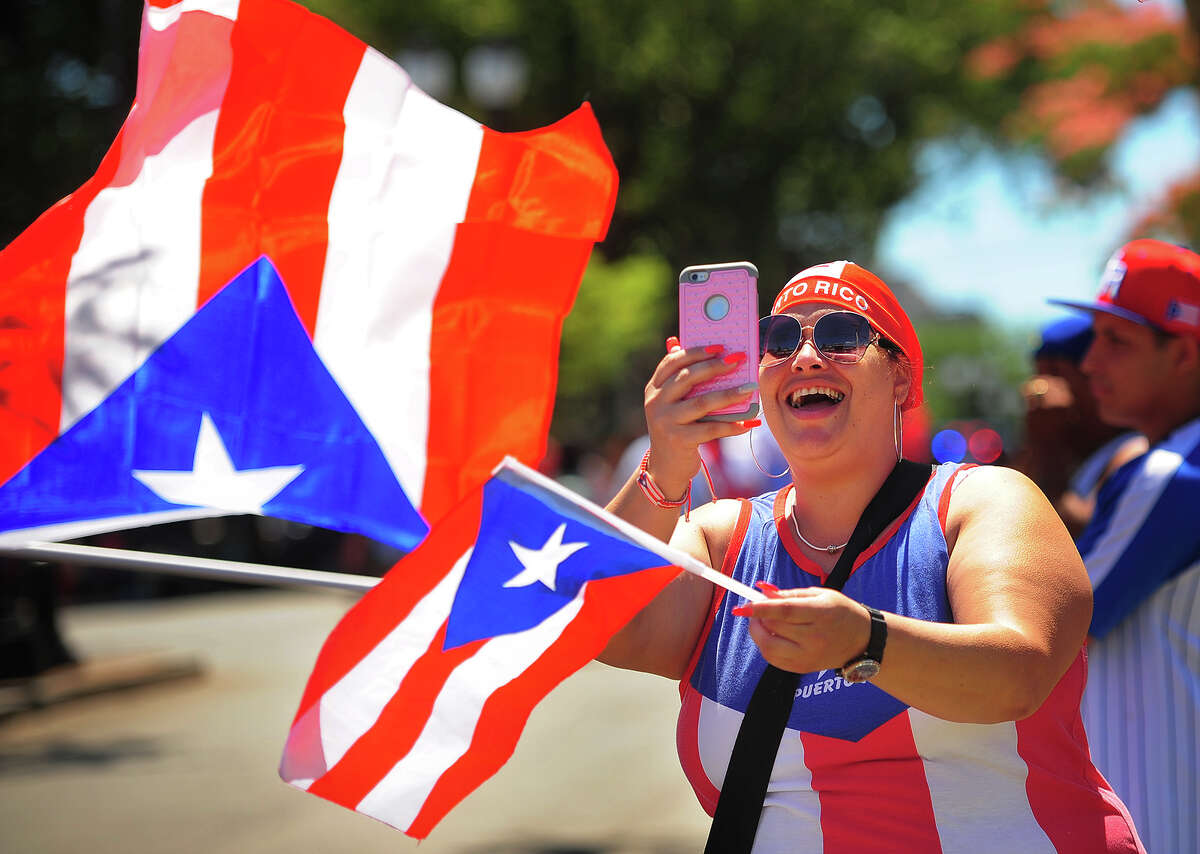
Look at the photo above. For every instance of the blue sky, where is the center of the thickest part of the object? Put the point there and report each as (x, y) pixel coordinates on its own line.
(995, 233)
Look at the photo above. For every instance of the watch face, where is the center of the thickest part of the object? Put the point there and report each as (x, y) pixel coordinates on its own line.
(862, 670)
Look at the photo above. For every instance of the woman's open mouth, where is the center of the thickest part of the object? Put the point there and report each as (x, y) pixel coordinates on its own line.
(815, 398)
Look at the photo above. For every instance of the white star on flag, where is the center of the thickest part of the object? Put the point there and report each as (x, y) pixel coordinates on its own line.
(542, 564)
(214, 482)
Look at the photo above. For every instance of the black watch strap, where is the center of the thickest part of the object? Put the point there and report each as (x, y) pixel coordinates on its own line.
(878, 636)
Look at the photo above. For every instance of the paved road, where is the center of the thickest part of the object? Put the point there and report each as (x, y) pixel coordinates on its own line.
(189, 765)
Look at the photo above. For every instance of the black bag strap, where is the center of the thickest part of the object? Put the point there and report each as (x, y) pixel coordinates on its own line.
(739, 807)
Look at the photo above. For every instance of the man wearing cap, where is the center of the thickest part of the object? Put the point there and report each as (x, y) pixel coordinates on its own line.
(1069, 450)
(1142, 546)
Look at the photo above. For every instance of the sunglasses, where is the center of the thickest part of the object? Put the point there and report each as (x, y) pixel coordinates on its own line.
(840, 336)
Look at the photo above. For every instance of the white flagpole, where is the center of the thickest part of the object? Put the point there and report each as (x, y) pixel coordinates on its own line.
(196, 567)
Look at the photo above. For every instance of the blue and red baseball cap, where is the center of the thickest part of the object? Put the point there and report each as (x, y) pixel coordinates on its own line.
(1150, 282)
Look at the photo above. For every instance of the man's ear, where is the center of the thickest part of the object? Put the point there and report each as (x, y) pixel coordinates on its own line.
(1187, 355)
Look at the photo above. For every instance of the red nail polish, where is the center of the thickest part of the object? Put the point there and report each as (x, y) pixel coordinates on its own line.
(742, 611)
(753, 422)
(672, 343)
(714, 349)
(735, 358)
(767, 587)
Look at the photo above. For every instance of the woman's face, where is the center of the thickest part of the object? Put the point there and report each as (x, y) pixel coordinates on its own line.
(816, 407)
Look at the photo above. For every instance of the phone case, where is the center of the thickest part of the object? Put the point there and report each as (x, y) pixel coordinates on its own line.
(718, 304)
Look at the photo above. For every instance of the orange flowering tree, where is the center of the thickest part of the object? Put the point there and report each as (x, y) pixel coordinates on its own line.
(1072, 76)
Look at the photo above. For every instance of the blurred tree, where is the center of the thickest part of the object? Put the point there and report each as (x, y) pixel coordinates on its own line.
(757, 129)
(608, 350)
(1080, 72)
(752, 129)
(66, 86)
(973, 370)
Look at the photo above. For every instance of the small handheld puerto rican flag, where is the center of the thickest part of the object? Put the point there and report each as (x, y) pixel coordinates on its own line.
(420, 693)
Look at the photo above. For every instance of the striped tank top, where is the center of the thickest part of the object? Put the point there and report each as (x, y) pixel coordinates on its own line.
(859, 771)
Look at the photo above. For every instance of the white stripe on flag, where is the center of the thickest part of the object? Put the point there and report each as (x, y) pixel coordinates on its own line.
(398, 797)
(951, 753)
(353, 704)
(159, 18)
(133, 279)
(60, 531)
(408, 165)
(1131, 512)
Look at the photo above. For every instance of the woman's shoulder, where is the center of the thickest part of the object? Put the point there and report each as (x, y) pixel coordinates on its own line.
(990, 495)
(976, 482)
(718, 522)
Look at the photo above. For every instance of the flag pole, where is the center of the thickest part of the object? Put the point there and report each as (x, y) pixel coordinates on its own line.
(195, 567)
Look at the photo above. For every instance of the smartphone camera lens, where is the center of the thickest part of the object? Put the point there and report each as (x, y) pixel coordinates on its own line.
(716, 307)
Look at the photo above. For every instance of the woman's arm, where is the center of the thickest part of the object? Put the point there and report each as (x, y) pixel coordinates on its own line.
(1020, 598)
(661, 637)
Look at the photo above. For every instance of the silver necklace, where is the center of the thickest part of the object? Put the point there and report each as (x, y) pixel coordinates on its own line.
(803, 539)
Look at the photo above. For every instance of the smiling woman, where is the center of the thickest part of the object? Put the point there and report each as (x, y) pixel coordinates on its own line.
(966, 614)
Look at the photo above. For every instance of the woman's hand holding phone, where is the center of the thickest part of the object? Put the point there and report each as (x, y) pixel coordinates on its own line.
(694, 384)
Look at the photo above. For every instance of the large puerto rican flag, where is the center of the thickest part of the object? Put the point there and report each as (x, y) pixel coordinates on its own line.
(422, 690)
(296, 285)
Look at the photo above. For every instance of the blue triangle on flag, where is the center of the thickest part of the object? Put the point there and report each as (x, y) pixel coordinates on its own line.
(244, 363)
(523, 568)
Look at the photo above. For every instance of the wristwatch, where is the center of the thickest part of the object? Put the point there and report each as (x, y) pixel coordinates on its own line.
(864, 667)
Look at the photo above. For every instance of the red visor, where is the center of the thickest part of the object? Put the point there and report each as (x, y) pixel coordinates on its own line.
(844, 283)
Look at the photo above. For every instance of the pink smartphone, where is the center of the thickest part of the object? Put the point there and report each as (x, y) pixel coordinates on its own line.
(718, 304)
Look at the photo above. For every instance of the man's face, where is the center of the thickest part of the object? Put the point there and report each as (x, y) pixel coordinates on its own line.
(1129, 372)
(1076, 382)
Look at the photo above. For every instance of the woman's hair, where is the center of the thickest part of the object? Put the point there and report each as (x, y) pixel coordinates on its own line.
(896, 356)
(892, 349)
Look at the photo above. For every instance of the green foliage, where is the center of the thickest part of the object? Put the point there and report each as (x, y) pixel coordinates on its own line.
(66, 84)
(758, 128)
(611, 340)
(973, 370)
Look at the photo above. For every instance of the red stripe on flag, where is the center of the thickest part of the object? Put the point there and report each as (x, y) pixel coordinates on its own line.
(398, 725)
(557, 180)
(497, 320)
(383, 608)
(884, 763)
(33, 291)
(1066, 792)
(183, 72)
(275, 162)
(608, 604)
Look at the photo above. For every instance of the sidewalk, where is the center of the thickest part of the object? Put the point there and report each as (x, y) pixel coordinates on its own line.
(188, 765)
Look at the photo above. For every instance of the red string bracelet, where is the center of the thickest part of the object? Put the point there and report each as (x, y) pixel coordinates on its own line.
(653, 491)
(658, 498)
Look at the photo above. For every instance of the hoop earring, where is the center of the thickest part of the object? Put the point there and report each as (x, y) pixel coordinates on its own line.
(898, 433)
(757, 463)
